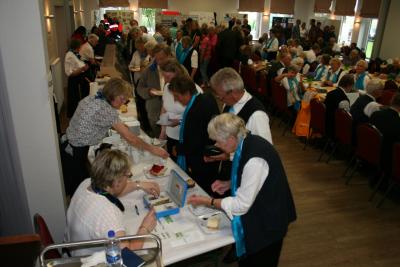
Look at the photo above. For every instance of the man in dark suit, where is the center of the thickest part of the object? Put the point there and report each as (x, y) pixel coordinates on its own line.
(227, 47)
(387, 121)
(337, 99)
(366, 104)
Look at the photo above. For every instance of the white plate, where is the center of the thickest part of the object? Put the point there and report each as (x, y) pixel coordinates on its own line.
(223, 223)
(146, 171)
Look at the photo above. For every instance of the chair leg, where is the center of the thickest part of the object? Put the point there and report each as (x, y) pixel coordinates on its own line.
(324, 150)
(352, 173)
(349, 165)
(378, 184)
(385, 195)
(333, 152)
(308, 138)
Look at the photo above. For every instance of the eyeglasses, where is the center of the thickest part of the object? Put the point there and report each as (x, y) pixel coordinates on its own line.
(222, 97)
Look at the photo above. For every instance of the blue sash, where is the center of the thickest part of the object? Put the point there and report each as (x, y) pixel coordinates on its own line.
(181, 160)
(178, 50)
(293, 90)
(360, 81)
(183, 55)
(319, 71)
(237, 227)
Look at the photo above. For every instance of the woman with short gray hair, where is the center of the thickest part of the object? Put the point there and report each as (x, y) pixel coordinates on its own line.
(261, 206)
(96, 208)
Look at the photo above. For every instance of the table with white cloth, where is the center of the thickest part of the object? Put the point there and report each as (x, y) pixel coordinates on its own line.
(183, 235)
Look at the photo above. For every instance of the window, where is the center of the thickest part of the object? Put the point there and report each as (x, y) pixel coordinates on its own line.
(254, 22)
(148, 18)
(346, 30)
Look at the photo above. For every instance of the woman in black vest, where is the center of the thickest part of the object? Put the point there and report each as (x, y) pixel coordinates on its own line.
(261, 206)
(189, 58)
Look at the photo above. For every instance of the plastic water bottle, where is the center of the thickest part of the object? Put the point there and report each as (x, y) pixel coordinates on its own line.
(113, 251)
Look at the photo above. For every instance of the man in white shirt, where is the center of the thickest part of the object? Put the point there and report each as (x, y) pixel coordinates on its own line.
(311, 55)
(229, 88)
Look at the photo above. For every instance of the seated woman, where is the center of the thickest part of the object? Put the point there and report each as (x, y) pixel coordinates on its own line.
(335, 73)
(94, 116)
(193, 137)
(361, 77)
(95, 207)
(322, 69)
(293, 84)
(261, 204)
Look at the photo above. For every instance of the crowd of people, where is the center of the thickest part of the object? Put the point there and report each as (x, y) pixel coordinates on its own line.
(172, 72)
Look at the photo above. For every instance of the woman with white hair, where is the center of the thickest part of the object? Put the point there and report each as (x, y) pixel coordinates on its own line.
(361, 78)
(261, 206)
(335, 73)
(294, 86)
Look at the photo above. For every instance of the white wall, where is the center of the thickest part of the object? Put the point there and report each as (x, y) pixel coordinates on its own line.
(304, 10)
(24, 60)
(391, 37)
(219, 6)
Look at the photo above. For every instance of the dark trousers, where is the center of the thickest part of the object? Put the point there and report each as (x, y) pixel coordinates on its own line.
(78, 88)
(171, 147)
(75, 168)
(267, 257)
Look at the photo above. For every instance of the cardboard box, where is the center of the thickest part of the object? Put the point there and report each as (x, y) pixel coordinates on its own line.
(170, 201)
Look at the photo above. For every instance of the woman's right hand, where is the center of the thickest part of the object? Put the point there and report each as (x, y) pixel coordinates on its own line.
(158, 151)
(149, 222)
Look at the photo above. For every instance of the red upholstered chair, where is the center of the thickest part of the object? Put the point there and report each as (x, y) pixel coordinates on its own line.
(368, 148)
(395, 176)
(236, 65)
(317, 123)
(343, 130)
(262, 84)
(45, 236)
(279, 100)
(249, 78)
(20, 250)
(386, 97)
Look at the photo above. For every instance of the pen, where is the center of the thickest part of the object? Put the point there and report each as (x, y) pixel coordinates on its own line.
(137, 210)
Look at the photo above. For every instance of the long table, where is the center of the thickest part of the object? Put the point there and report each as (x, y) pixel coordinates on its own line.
(182, 234)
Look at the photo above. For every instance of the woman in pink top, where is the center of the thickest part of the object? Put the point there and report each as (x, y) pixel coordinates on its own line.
(205, 56)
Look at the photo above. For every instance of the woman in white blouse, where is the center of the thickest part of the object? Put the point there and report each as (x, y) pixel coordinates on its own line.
(271, 46)
(74, 69)
(171, 111)
(96, 207)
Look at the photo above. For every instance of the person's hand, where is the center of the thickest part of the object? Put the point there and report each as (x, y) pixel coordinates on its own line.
(221, 186)
(155, 92)
(84, 68)
(174, 122)
(327, 83)
(220, 157)
(197, 200)
(150, 188)
(158, 151)
(149, 222)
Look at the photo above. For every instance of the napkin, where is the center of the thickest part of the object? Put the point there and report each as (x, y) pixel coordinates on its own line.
(93, 260)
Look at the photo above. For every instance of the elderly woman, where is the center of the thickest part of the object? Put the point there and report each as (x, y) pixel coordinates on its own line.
(261, 206)
(335, 73)
(193, 137)
(361, 77)
(96, 208)
(271, 46)
(189, 57)
(322, 69)
(171, 111)
(93, 118)
(294, 86)
(140, 59)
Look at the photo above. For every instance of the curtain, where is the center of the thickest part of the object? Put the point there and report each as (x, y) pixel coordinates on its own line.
(153, 4)
(113, 3)
(251, 5)
(345, 7)
(322, 6)
(370, 8)
(282, 6)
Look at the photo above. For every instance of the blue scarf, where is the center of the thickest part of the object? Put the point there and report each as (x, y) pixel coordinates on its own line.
(183, 55)
(269, 43)
(237, 227)
(181, 160)
(110, 197)
(76, 54)
(293, 86)
(319, 71)
(360, 81)
(178, 50)
(334, 78)
(99, 95)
